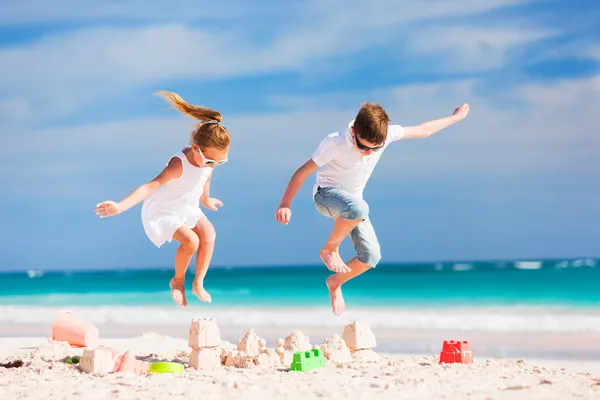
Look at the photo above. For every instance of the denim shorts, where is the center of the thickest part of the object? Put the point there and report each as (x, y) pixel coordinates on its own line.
(337, 203)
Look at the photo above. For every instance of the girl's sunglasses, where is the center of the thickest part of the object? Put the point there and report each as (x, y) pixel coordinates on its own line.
(209, 162)
(363, 147)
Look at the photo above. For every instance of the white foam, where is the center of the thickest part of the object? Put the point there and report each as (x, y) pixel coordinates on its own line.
(528, 265)
(462, 267)
(35, 274)
(499, 319)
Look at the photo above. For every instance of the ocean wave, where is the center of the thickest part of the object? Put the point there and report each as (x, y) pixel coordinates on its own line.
(528, 265)
(404, 267)
(493, 319)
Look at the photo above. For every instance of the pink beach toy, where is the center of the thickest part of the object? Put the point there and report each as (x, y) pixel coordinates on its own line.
(128, 363)
(78, 333)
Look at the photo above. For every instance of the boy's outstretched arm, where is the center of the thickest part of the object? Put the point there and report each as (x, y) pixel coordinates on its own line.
(284, 213)
(110, 208)
(428, 128)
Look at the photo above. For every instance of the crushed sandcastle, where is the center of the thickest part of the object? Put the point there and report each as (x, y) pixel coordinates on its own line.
(335, 350)
(105, 360)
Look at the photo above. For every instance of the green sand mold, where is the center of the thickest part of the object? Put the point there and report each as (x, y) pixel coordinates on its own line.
(167, 368)
(308, 360)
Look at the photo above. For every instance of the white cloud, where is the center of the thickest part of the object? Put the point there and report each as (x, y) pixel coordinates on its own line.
(472, 48)
(34, 11)
(63, 72)
(594, 52)
(533, 134)
(13, 110)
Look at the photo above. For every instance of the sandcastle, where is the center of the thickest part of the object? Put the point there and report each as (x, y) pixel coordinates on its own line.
(205, 339)
(357, 344)
(360, 340)
(97, 361)
(209, 352)
(251, 351)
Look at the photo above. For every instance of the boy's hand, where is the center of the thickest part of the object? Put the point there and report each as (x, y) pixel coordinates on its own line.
(461, 112)
(212, 204)
(108, 209)
(283, 215)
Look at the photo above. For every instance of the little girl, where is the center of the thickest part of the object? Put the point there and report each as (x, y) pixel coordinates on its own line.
(171, 210)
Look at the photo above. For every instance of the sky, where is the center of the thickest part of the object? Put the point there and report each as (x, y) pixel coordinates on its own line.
(79, 124)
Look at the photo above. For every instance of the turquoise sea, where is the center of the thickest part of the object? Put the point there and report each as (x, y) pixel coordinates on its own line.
(410, 305)
(573, 283)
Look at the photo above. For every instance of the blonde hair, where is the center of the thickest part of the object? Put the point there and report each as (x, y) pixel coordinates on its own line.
(209, 132)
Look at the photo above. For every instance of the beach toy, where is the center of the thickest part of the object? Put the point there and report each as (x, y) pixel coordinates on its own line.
(128, 363)
(308, 360)
(167, 368)
(454, 351)
(78, 333)
(72, 360)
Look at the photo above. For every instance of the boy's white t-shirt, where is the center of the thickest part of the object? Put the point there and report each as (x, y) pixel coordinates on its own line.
(342, 165)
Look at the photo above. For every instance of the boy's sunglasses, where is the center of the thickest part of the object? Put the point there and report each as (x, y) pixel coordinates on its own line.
(363, 147)
(208, 161)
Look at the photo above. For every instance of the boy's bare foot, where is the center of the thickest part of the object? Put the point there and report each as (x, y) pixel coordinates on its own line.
(198, 290)
(178, 292)
(335, 293)
(333, 261)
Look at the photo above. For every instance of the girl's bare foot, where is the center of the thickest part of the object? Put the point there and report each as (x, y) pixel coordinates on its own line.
(198, 290)
(333, 261)
(335, 293)
(178, 292)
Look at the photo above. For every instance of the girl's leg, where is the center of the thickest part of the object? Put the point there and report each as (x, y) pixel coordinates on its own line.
(206, 233)
(189, 244)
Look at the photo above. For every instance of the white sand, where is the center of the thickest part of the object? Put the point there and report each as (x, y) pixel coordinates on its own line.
(45, 376)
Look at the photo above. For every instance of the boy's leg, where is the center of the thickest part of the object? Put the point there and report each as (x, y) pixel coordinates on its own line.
(330, 252)
(368, 255)
(206, 232)
(335, 281)
(348, 211)
(189, 244)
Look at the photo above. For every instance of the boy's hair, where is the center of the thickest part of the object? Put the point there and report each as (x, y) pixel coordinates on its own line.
(209, 132)
(371, 123)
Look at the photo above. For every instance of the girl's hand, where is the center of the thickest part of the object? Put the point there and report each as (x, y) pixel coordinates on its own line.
(108, 209)
(212, 204)
(283, 215)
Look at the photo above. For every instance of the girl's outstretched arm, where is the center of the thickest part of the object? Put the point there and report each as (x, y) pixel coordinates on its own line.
(207, 201)
(110, 208)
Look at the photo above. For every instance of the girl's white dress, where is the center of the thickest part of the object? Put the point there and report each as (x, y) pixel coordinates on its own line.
(175, 204)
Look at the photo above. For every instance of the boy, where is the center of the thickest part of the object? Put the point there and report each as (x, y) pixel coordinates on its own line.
(346, 160)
